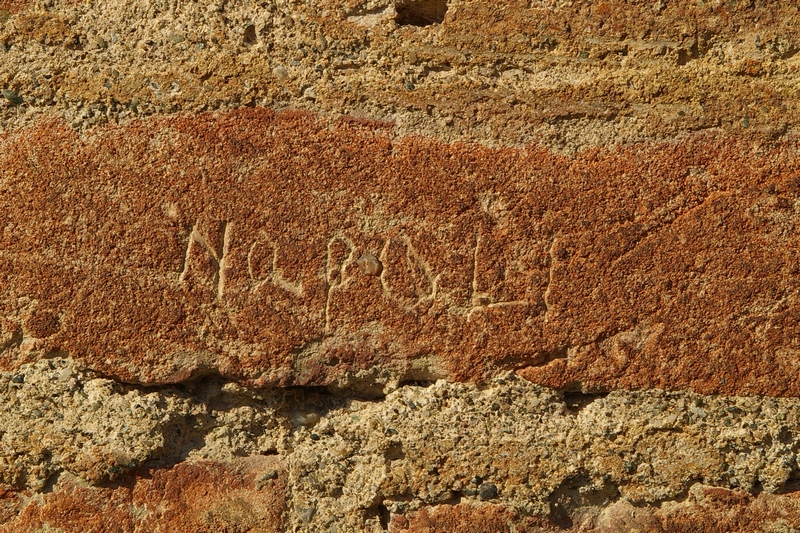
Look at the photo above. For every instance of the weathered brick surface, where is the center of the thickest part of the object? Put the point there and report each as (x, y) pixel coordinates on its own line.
(186, 498)
(708, 510)
(169, 247)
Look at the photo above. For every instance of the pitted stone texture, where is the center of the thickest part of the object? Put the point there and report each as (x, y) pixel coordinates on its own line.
(513, 450)
(205, 497)
(706, 510)
(57, 419)
(560, 460)
(230, 243)
(566, 74)
(292, 250)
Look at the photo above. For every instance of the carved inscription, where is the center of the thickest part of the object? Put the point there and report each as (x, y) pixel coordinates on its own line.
(340, 254)
(405, 277)
(262, 266)
(481, 297)
(204, 263)
(233, 246)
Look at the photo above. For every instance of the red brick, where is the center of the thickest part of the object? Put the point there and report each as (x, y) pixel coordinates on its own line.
(666, 265)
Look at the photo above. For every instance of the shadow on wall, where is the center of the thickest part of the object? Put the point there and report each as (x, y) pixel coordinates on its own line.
(420, 12)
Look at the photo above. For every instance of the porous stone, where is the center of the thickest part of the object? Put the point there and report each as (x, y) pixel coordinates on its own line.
(59, 419)
(200, 497)
(487, 491)
(707, 510)
(544, 458)
(668, 265)
(398, 265)
(568, 75)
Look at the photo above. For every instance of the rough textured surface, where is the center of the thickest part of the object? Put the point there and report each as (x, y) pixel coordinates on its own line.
(200, 497)
(568, 74)
(315, 255)
(399, 265)
(507, 453)
(59, 419)
(706, 510)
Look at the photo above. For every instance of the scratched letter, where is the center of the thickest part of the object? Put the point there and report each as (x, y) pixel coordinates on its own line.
(204, 269)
